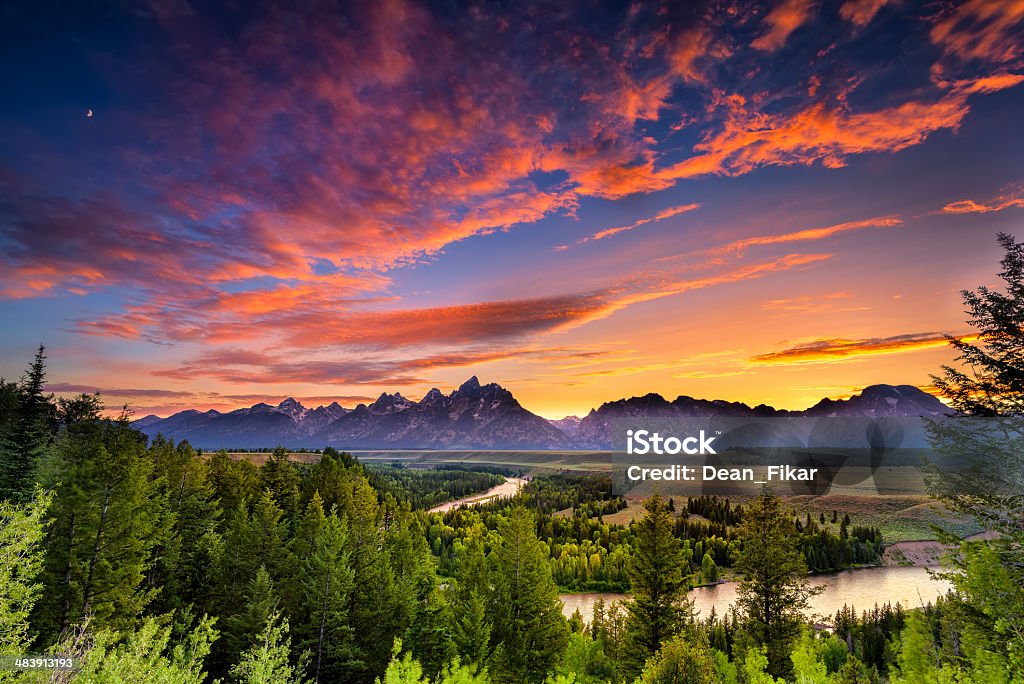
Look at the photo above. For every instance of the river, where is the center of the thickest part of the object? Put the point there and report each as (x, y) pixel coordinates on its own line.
(912, 587)
(508, 488)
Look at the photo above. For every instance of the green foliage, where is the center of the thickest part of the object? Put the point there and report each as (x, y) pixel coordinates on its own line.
(945, 642)
(727, 671)
(472, 622)
(868, 637)
(774, 588)
(808, 665)
(685, 659)
(585, 660)
(281, 479)
(21, 558)
(708, 569)
(980, 464)
(427, 488)
(254, 610)
(107, 518)
(402, 670)
(755, 668)
(659, 607)
(193, 544)
(267, 660)
(529, 629)
(145, 655)
(27, 426)
(321, 594)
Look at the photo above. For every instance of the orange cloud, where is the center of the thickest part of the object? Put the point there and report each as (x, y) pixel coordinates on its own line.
(837, 350)
(781, 21)
(812, 233)
(812, 304)
(817, 133)
(738, 246)
(860, 12)
(985, 30)
(660, 216)
(1008, 200)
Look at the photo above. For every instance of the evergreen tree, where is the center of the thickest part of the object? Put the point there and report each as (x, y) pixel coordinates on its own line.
(194, 545)
(26, 431)
(658, 576)
(234, 481)
(472, 621)
(10, 405)
(422, 613)
(980, 466)
(321, 599)
(529, 630)
(774, 587)
(255, 609)
(328, 477)
(106, 519)
(372, 610)
(281, 478)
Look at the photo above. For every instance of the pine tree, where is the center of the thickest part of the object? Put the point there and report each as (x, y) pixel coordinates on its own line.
(106, 519)
(774, 587)
(372, 610)
(658, 572)
(329, 477)
(194, 545)
(10, 405)
(529, 630)
(472, 628)
(980, 466)
(323, 586)
(255, 608)
(423, 615)
(234, 481)
(280, 477)
(27, 433)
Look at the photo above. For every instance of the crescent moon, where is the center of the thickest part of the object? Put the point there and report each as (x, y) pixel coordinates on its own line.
(88, 113)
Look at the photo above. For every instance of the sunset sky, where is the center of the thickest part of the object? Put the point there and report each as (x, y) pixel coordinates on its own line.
(580, 201)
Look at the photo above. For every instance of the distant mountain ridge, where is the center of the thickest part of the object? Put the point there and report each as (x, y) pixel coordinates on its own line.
(476, 416)
(874, 401)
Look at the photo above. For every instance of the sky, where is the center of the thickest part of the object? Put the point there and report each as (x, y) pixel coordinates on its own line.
(207, 205)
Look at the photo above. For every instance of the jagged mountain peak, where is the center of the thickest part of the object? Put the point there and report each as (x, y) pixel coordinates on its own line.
(434, 396)
(470, 385)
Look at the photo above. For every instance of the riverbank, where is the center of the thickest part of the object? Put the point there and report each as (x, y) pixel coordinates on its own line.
(509, 488)
(912, 587)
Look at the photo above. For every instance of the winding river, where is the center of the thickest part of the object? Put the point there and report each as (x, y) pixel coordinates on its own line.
(862, 589)
(910, 586)
(510, 487)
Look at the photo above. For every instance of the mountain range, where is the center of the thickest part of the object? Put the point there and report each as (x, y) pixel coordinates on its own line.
(476, 416)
